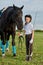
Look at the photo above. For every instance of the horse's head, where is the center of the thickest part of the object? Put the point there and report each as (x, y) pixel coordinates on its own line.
(17, 16)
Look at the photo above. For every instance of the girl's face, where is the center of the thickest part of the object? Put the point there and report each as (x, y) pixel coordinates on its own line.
(27, 19)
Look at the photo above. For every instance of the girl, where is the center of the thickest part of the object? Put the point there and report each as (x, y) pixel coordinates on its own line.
(29, 36)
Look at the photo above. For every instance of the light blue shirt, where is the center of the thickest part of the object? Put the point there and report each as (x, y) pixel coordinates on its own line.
(28, 28)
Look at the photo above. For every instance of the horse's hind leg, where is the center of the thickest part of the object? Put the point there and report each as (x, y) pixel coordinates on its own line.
(7, 41)
(0, 43)
(3, 44)
(13, 44)
(1, 40)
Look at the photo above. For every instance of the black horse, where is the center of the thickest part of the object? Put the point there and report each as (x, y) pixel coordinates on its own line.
(10, 18)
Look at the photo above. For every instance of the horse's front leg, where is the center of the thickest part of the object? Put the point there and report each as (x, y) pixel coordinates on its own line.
(3, 44)
(13, 44)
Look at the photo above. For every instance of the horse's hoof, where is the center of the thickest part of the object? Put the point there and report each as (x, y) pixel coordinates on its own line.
(14, 55)
(3, 55)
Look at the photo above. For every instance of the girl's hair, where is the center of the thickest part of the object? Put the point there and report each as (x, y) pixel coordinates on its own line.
(29, 17)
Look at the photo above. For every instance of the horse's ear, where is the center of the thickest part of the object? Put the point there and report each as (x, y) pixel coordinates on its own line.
(13, 6)
(22, 7)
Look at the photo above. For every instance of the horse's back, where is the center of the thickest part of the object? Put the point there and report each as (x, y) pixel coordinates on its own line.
(6, 12)
(4, 17)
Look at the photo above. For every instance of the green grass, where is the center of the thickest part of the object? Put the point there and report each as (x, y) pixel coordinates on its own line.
(37, 58)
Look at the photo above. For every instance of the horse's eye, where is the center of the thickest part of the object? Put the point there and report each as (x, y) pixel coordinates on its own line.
(20, 15)
(18, 11)
(16, 14)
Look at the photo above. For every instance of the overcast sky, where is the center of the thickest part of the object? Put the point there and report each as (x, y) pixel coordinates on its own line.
(30, 7)
(30, 4)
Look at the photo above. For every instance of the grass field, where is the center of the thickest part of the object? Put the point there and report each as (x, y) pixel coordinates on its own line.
(37, 58)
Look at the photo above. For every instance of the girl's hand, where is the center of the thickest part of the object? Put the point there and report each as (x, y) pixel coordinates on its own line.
(31, 41)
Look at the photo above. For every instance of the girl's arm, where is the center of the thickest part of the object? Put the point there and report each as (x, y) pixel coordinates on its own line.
(33, 34)
(32, 39)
